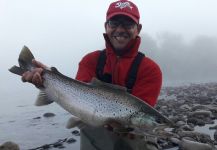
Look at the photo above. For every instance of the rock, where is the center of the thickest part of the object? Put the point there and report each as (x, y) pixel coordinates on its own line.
(213, 127)
(196, 121)
(58, 144)
(49, 115)
(192, 120)
(215, 135)
(9, 146)
(201, 113)
(199, 107)
(201, 122)
(46, 146)
(71, 140)
(37, 118)
(176, 141)
(76, 133)
(189, 138)
(185, 107)
(180, 123)
(200, 137)
(191, 145)
(187, 128)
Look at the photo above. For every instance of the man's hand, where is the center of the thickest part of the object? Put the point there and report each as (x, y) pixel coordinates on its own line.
(34, 76)
(119, 130)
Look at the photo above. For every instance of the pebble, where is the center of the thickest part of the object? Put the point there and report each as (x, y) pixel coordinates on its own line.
(9, 146)
(71, 140)
(189, 106)
(47, 115)
(76, 133)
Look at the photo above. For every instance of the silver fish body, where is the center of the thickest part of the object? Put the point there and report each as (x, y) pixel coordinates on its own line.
(96, 103)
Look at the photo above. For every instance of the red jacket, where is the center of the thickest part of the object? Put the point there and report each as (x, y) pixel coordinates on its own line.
(149, 77)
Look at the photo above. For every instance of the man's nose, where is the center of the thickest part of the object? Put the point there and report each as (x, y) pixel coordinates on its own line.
(120, 27)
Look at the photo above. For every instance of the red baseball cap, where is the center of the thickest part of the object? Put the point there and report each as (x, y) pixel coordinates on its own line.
(123, 7)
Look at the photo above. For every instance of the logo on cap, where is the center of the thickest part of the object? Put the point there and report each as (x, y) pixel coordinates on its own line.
(122, 5)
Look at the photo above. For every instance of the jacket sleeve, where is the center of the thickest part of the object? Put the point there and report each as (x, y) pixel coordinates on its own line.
(87, 67)
(149, 82)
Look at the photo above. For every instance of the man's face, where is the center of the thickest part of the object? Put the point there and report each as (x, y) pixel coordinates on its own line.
(120, 30)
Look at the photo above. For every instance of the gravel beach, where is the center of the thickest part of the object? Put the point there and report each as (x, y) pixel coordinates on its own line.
(193, 109)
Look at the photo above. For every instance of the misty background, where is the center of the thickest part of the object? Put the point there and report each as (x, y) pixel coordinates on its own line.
(181, 36)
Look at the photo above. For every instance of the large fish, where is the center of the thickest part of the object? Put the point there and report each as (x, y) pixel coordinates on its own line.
(96, 103)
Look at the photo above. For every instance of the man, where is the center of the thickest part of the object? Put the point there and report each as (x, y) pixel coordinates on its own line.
(122, 42)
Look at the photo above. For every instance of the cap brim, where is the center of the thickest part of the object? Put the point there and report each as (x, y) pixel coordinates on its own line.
(122, 13)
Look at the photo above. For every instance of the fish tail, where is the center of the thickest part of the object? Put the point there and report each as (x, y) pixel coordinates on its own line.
(17, 70)
(25, 62)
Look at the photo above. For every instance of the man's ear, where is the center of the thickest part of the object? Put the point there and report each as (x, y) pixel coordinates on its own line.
(139, 27)
(105, 24)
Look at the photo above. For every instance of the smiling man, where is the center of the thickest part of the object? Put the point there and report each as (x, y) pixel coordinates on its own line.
(120, 63)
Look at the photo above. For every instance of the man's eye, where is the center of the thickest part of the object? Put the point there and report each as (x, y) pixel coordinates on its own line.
(127, 23)
(114, 22)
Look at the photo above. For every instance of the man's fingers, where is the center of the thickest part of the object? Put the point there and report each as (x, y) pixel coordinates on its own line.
(38, 64)
(37, 70)
(37, 80)
(27, 76)
(24, 77)
(33, 76)
(119, 130)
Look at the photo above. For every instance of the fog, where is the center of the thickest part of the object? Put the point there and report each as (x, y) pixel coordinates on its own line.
(183, 62)
(179, 35)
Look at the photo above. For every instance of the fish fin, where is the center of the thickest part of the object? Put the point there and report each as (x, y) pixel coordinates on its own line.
(16, 70)
(25, 59)
(54, 70)
(42, 99)
(136, 132)
(123, 129)
(74, 122)
(97, 82)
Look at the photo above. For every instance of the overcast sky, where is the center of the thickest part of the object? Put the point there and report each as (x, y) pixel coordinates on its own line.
(60, 32)
(76, 27)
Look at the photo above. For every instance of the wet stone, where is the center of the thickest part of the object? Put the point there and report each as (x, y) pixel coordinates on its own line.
(192, 120)
(46, 146)
(200, 122)
(61, 147)
(180, 123)
(215, 135)
(57, 144)
(71, 140)
(213, 127)
(76, 133)
(37, 118)
(49, 115)
(9, 146)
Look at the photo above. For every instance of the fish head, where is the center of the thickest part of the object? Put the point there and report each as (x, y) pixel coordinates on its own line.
(141, 119)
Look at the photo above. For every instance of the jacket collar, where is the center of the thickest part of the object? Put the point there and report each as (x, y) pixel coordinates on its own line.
(131, 49)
